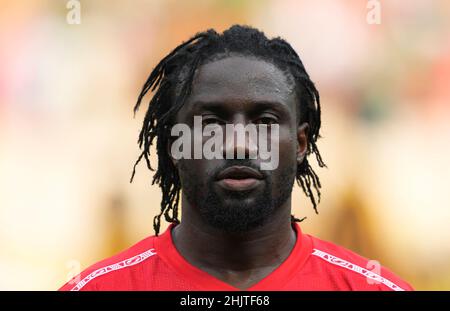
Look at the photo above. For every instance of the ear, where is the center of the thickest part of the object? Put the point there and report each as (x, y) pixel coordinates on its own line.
(168, 148)
(302, 140)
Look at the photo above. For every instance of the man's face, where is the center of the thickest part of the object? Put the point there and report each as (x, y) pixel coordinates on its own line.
(241, 90)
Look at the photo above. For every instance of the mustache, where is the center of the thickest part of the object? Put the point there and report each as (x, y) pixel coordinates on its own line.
(238, 162)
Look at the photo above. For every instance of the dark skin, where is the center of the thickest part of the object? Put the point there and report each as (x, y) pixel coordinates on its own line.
(240, 89)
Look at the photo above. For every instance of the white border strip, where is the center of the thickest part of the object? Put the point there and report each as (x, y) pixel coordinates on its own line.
(120, 265)
(350, 266)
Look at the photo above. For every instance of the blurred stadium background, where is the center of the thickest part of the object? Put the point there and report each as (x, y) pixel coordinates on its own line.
(68, 137)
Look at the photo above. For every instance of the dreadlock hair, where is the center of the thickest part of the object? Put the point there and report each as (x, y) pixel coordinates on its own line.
(171, 82)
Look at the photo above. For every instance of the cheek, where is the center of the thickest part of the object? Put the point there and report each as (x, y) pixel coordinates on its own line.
(187, 172)
(288, 147)
(288, 157)
(197, 171)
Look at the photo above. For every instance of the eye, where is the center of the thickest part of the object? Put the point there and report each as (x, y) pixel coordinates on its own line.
(211, 119)
(268, 119)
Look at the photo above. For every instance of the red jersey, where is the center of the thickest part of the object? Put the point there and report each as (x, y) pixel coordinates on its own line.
(155, 264)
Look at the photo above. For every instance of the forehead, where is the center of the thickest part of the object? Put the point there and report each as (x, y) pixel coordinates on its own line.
(241, 79)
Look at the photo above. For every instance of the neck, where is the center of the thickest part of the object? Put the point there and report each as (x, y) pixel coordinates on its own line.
(264, 247)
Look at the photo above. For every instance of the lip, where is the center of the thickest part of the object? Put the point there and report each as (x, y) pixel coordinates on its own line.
(239, 178)
(239, 172)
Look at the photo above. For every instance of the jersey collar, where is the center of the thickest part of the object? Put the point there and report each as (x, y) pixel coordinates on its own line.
(167, 251)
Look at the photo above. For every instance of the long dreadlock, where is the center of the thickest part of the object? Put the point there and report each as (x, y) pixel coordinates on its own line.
(172, 80)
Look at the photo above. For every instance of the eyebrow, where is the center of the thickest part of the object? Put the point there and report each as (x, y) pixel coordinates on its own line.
(219, 106)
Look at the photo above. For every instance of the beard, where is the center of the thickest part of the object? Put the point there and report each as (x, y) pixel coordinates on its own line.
(237, 211)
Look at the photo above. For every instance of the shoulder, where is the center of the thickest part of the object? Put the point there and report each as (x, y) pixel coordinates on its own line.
(113, 269)
(352, 270)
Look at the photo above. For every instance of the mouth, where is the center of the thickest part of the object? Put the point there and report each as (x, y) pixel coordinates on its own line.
(239, 178)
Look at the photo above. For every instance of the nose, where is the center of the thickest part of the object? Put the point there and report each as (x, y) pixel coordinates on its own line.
(240, 141)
